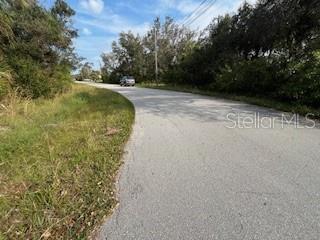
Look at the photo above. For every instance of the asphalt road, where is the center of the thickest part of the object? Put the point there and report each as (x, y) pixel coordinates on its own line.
(188, 175)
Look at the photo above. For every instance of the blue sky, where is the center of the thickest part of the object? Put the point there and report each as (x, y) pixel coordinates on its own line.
(100, 21)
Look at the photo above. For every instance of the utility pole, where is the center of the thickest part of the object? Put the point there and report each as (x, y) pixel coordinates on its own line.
(156, 53)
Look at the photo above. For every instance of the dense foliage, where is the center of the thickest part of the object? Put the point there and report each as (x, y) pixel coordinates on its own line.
(36, 54)
(270, 49)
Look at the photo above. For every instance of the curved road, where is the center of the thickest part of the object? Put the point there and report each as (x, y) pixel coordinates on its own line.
(188, 175)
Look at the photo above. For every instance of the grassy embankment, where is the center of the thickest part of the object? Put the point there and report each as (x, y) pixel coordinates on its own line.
(58, 161)
(260, 101)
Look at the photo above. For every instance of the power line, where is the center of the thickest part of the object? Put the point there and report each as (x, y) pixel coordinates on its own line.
(209, 5)
(202, 5)
(201, 10)
(185, 19)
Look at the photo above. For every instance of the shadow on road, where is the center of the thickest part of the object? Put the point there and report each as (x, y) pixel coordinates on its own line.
(202, 108)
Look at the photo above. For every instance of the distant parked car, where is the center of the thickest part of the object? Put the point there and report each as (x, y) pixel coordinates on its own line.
(127, 81)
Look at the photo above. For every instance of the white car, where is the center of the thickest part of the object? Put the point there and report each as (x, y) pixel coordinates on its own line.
(127, 81)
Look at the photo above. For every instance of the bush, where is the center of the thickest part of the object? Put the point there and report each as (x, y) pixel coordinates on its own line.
(30, 77)
(173, 76)
(105, 78)
(112, 78)
(60, 80)
(252, 77)
(303, 85)
(296, 82)
(36, 81)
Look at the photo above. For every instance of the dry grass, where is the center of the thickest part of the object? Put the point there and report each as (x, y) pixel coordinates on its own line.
(13, 104)
(58, 160)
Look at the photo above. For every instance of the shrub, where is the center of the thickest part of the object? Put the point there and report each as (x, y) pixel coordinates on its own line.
(35, 81)
(112, 78)
(60, 80)
(30, 77)
(303, 85)
(173, 76)
(253, 77)
(105, 78)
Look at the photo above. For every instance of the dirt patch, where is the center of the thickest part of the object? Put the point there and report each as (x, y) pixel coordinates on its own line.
(13, 189)
(112, 131)
(4, 128)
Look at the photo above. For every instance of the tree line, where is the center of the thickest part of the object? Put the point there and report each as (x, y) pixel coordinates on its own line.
(36, 53)
(134, 54)
(269, 49)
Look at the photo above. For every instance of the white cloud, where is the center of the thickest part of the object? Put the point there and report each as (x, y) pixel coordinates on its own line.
(100, 30)
(114, 24)
(95, 6)
(86, 31)
(186, 6)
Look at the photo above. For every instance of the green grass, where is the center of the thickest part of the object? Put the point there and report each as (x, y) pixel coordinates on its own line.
(58, 162)
(260, 101)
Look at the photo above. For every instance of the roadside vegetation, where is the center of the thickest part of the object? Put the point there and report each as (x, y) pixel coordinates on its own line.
(60, 144)
(268, 51)
(36, 52)
(58, 159)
